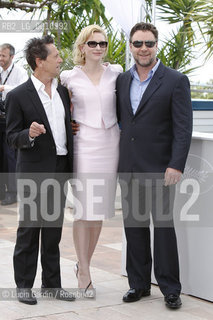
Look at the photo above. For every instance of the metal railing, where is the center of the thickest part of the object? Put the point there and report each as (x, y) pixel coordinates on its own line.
(202, 87)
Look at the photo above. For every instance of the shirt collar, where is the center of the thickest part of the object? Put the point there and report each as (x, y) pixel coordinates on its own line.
(39, 85)
(134, 72)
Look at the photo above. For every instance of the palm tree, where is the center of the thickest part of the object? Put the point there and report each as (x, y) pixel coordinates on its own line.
(193, 20)
(193, 25)
(80, 14)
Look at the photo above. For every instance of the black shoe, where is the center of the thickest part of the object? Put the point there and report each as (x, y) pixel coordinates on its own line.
(9, 199)
(25, 295)
(135, 294)
(173, 301)
(57, 293)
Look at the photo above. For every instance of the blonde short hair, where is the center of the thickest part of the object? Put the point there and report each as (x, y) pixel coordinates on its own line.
(84, 35)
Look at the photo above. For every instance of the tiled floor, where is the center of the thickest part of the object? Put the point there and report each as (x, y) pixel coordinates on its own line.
(106, 275)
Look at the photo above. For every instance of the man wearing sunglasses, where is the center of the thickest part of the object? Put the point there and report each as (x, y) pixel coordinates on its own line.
(155, 114)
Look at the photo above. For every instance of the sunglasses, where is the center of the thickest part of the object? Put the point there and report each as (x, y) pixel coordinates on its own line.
(93, 44)
(139, 44)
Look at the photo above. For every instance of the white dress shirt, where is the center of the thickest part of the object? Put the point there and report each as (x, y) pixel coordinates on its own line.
(55, 112)
(17, 77)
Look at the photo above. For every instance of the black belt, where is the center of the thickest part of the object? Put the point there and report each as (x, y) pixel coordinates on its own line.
(61, 156)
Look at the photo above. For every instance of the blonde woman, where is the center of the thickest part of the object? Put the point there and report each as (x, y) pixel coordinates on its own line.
(92, 87)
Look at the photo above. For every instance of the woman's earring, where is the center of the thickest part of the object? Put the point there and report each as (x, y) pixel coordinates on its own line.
(83, 54)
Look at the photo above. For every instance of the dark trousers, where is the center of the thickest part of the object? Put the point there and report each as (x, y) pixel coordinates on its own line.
(28, 234)
(2, 162)
(7, 165)
(138, 201)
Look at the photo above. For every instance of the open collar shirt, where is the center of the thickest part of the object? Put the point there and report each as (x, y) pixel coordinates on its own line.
(55, 112)
(138, 87)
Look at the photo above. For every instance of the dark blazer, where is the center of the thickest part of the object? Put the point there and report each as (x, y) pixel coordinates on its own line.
(23, 106)
(159, 134)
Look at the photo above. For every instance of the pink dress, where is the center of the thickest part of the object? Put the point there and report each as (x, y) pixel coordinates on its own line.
(96, 145)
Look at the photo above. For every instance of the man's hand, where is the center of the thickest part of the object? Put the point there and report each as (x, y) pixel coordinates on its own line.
(172, 176)
(75, 127)
(36, 130)
(1, 88)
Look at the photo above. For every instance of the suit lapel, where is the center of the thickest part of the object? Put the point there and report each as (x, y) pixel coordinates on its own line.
(38, 105)
(126, 91)
(152, 87)
(64, 100)
(66, 109)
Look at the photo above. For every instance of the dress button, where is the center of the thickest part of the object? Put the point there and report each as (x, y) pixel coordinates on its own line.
(132, 139)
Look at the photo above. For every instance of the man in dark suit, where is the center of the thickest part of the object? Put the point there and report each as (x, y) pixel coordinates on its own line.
(155, 114)
(38, 126)
(11, 76)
